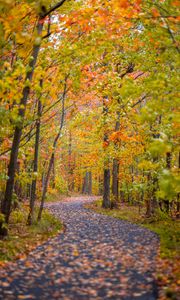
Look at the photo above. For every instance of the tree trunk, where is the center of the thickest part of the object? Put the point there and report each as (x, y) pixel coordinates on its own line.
(154, 199)
(53, 175)
(178, 195)
(168, 166)
(45, 187)
(85, 189)
(154, 202)
(106, 192)
(148, 207)
(70, 167)
(122, 196)
(148, 201)
(106, 203)
(115, 183)
(35, 164)
(6, 206)
(51, 161)
(90, 183)
(84, 185)
(178, 206)
(100, 192)
(17, 187)
(115, 171)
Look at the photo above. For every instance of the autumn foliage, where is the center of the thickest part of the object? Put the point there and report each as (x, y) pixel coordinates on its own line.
(89, 88)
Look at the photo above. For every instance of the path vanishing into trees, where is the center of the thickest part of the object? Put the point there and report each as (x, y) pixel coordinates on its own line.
(96, 257)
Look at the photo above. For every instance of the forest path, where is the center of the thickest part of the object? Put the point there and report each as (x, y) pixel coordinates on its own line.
(97, 257)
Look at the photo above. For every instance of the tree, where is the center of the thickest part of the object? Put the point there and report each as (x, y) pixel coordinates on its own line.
(52, 157)
(6, 204)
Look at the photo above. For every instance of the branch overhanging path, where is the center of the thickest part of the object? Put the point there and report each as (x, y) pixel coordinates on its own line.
(97, 257)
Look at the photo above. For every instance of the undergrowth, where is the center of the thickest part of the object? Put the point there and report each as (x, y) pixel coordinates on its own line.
(164, 226)
(22, 238)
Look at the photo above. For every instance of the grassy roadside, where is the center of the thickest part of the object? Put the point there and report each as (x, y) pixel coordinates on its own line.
(168, 230)
(22, 238)
(54, 196)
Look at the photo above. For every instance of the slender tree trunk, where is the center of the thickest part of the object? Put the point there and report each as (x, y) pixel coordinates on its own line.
(106, 203)
(70, 168)
(106, 193)
(178, 195)
(6, 206)
(122, 197)
(45, 187)
(168, 166)
(87, 183)
(35, 164)
(43, 174)
(148, 199)
(178, 206)
(84, 185)
(154, 202)
(154, 199)
(53, 175)
(168, 160)
(17, 187)
(148, 208)
(128, 194)
(115, 171)
(90, 184)
(100, 186)
(51, 161)
(132, 181)
(115, 183)
(155, 188)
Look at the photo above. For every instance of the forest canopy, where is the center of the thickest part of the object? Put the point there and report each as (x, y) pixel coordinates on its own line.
(89, 103)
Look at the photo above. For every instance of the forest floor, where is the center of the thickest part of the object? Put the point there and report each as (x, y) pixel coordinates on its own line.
(96, 257)
(22, 238)
(168, 229)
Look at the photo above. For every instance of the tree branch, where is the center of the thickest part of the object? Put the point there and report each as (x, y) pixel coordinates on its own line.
(46, 13)
(139, 101)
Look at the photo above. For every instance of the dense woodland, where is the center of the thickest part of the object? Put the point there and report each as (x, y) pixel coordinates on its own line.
(89, 103)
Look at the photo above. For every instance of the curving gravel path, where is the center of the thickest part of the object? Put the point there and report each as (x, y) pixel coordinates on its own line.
(97, 257)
